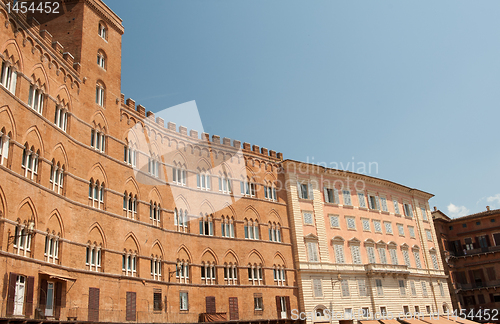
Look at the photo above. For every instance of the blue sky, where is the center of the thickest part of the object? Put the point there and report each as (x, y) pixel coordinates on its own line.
(410, 85)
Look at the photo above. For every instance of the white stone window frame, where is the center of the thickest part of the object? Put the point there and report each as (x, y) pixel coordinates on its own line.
(129, 264)
(333, 218)
(227, 226)
(255, 274)
(4, 146)
(411, 231)
(338, 244)
(384, 207)
(51, 252)
(96, 194)
(365, 221)
(94, 257)
(352, 221)
(251, 229)
(36, 99)
(30, 162)
(130, 205)
(209, 273)
(181, 220)
(373, 204)
(155, 268)
(361, 199)
(401, 229)
(182, 271)
(57, 177)
(279, 275)
(304, 212)
(388, 228)
(231, 274)
(22, 240)
(130, 153)
(379, 222)
(98, 140)
(346, 197)
(9, 76)
(274, 231)
(61, 117)
(396, 206)
(408, 208)
(155, 213)
(203, 180)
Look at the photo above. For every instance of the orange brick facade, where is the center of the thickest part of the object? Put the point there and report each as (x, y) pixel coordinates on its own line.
(108, 215)
(470, 248)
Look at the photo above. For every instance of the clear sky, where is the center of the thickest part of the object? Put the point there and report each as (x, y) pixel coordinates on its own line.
(411, 85)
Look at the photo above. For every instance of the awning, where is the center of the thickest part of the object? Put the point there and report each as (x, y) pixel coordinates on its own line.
(370, 322)
(438, 320)
(57, 276)
(414, 321)
(458, 319)
(389, 321)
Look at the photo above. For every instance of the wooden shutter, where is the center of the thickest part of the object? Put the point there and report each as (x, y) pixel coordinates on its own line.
(472, 279)
(11, 293)
(491, 273)
(476, 245)
(58, 299)
(233, 309)
(130, 311)
(278, 306)
(30, 283)
(310, 191)
(93, 312)
(488, 242)
(299, 189)
(210, 305)
(492, 298)
(288, 309)
(43, 292)
(336, 196)
(496, 238)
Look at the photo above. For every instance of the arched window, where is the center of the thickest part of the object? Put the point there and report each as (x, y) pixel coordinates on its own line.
(179, 174)
(208, 273)
(251, 229)
(225, 183)
(36, 99)
(4, 146)
(98, 140)
(203, 180)
(154, 213)
(30, 162)
(247, 188)
(100, 94)
(182, 271)
(274, 232)
(156, 268)
(130, 154)
(22, 239)
(101, 59)
(103, 31)
(129, 264)
(51, 248)
(154, 165)
(279, 275)
(96, 194)
(227, 226)
(9, 76)
(181, 220)
(130, 205)
(94, 255)
(57, 177)
(255, 276)
(61, 117)
(270, 191)
(230, 274)
(206, 226)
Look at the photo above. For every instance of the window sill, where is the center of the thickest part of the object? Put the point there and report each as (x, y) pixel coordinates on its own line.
(363, 208)
(348, 206)
(331, 204)
(306, 200)
(385, 212)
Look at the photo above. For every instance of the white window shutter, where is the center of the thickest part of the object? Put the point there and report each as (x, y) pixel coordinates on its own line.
(325, 193)
(310, 189)
(299, 189)
(336, 196)
(377, 200)
(13, 83)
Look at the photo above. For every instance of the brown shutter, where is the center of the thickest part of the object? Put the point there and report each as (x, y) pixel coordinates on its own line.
(472, 279)
(492, 298)
(58, 299)
(43, 293)
(30, 283)
(93, 312)
(210, 305)
(11, 293)
(130, 312)
(476, 245)
(496, 238)
(233, 309)
(278, 306)
(488, 243)
(491, 273)
(288, 309)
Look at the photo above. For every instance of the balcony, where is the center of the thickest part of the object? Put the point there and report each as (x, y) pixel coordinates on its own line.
(473, 252)
(478, 285)
(390, 269)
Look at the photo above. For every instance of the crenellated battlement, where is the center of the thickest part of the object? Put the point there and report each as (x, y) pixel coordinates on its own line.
(140, 110)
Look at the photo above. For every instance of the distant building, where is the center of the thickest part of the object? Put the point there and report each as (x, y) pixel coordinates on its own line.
(364, 246)
(106, 213)
(470, 245)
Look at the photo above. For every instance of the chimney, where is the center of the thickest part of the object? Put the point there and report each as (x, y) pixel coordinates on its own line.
(435, 208)
(488, 208)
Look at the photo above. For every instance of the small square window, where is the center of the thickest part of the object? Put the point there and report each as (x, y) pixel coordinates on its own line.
(334, 221)
(351, 223)
(451, 227)
(464, 225)
(478, 223)
(366, 224)
(492, 220)
(308, 218)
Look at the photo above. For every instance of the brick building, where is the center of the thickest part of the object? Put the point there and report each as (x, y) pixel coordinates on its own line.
(108, 215)
(470, 247)
(364, 246)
